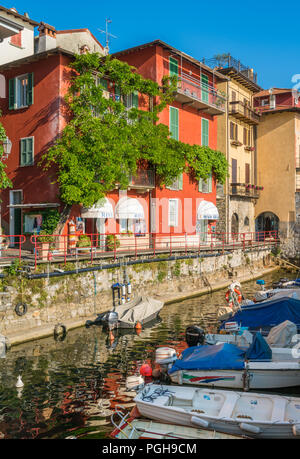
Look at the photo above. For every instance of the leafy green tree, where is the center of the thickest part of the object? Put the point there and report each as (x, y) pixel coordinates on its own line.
(104, 142)
(4, 180)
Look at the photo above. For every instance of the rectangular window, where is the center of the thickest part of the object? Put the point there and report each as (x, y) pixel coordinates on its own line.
(174, 123)
(247, 137)
(177, 185)
(205, 132)
(247, 173)
(27, 152)
(204, 84)
(205, 186)
(173, 65)
(21, 91)
(233, 96)
(173, 212)
(16, 40)
(131, 100)
(233, 131)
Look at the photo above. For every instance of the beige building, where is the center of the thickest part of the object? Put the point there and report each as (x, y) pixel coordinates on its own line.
(278, 143)
(237, 140)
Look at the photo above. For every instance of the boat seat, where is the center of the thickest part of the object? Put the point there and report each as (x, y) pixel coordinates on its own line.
(209, 403)
(256, 408)
(292, 413)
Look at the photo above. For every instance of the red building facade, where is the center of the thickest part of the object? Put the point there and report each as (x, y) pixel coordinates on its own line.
(34, 114)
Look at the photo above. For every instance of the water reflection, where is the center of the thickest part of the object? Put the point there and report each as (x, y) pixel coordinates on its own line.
(72, 387)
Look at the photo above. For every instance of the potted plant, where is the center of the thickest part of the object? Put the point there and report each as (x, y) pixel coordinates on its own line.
(45, 242)
(84, 242)
(112, 243)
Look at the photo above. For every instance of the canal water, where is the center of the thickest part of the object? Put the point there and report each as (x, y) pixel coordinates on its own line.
(71, 387)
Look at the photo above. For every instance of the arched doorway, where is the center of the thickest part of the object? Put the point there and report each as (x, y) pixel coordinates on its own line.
(234, 226)
(267, 223)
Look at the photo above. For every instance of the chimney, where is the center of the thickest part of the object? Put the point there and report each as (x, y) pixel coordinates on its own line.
(47, 37)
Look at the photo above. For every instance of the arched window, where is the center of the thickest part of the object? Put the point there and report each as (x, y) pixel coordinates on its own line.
(246, 221)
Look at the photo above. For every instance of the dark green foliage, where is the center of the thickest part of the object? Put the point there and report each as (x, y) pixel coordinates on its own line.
(104, 142)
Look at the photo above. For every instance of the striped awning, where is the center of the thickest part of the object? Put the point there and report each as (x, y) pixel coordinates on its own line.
(129, 209)
(207, 211)
(102, 209)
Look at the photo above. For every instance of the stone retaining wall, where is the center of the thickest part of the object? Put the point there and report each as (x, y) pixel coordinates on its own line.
(58, 300)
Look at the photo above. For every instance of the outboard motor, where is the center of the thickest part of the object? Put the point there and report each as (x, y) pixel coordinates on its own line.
(195, 336)
(110, 320)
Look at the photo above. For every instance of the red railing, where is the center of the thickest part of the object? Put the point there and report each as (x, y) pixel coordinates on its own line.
(58, 248)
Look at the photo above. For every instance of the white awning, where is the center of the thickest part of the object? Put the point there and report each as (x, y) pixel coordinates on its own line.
(102, 209)
(129, 208)
(207, 211)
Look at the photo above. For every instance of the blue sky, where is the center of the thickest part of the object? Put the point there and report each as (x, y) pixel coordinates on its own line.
(263, 35)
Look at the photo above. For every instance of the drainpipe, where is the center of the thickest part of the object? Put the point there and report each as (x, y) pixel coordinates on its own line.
(227, 157)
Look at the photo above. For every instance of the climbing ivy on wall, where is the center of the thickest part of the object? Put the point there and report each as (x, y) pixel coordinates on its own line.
(104, 142)
(4, 180)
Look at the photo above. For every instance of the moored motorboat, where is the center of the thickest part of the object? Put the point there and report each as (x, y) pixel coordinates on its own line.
(227, 365)
(235, 413)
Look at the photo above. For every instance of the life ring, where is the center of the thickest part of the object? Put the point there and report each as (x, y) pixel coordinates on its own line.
(21, 309)
(229, 297)
(60, 332)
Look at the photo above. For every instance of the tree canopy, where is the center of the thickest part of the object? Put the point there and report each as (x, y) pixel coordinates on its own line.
(106, 139)
(4, 180)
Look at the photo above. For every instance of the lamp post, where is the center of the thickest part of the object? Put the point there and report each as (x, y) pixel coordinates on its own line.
(7, 146)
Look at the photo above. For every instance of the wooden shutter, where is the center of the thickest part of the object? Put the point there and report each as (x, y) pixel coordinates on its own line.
(233, 96)
(204, 81)
(205, 132)
(235, 132)
(26, 158)
(173, 212)
(245, 136)
(234, 170)
(173, 65)
(174, 123)
(12, 94)
(117, 93)
(30, 89)
(247, 173)
(231, 130)
(135, 99)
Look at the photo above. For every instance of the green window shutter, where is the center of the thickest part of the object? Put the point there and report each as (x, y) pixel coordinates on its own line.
(12, 94)
(117, 93)
(30, 89)
(173, 65)
(104, 83)
(201, 185)
(204, 81)
(180, 181)
(174, 123)
(210, 183)
(26, 158)
(205, 132)
(135, 99)
(205, 186)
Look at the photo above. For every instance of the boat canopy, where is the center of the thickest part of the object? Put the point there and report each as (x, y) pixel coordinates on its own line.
(268, 314)
(223, 356)
(218, 357)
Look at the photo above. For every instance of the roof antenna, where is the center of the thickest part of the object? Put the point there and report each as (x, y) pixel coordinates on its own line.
(108, 35)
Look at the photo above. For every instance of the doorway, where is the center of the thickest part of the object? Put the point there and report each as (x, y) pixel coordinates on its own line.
(15, 214)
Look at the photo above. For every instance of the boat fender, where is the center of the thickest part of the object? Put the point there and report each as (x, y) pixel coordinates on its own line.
(21, 309)
(296, 430)
(60, 332)
(200, 422)
(249, 428)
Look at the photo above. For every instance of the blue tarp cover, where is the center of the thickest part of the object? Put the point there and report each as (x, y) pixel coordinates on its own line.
(268, 314)
(259, 349)
(218, 357)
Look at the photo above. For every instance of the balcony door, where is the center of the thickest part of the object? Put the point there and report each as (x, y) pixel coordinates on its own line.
(234, 174)
(15, 223)
(204, 85)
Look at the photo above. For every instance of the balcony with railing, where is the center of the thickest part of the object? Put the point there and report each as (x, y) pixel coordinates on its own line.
(200, 95)
(243, 112)
(144, 179)
(245, 190)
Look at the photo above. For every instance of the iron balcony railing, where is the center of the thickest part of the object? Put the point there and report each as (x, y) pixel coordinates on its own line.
(144, 178)
(240, 110)
(200, 95)
(226, 61)
(245, 190)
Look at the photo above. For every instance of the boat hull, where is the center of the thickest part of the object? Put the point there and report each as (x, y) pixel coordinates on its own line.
(235, 379)
(230, 412)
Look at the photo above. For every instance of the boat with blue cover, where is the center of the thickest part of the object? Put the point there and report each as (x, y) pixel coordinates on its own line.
(227, 365)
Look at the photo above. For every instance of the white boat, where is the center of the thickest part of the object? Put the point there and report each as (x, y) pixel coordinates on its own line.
(227, 365)
(139, 429)
(235, 413)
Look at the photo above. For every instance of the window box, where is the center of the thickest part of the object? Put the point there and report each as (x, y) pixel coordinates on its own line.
(236, 143)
